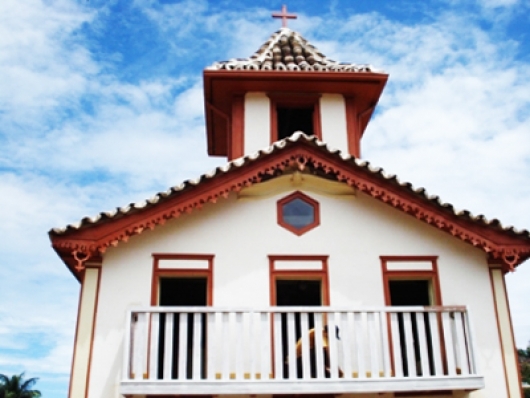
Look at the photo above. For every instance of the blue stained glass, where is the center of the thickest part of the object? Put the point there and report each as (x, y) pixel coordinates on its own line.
(298, 213)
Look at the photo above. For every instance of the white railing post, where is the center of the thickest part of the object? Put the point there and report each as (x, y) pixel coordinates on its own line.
(385, 346)
(278, 360)
(422, 337)
(291, 343)
(373, 337)
(396, 345)
(304, 328)
(434, 326)
(449, 347)
(197, 347)
(168, 347)
(471, 343)
(127, 354)
(140, 346)
(247, 346)
(319, 347)
(359, 329)
(239, 344)
(332, 349)
(346, 336)
(225, 366)
(460, 343)
(153, 345)
(212, 345)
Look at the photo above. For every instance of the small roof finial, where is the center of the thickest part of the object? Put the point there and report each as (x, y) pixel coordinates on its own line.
(284, 16)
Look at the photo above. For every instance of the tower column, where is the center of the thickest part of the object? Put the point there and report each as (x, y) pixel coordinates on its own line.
(353, 126)
(511, 369)
(84, 335)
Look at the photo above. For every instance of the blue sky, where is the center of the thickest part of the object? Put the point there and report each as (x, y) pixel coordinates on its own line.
(101, 105)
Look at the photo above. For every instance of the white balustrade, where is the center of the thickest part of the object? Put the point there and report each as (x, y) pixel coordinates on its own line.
(289, 343)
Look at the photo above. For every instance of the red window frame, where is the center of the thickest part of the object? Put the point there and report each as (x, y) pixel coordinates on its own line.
(302, 196)
(295, 101)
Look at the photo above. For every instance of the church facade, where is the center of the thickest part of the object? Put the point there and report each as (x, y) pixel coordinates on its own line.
(297, 268)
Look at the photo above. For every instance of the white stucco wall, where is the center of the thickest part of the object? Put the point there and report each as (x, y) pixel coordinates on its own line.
(333, 119)
(257, 133)
(257, 121)
(354, 232)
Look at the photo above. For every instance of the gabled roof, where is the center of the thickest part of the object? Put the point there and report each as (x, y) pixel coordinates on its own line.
(288, 50)
(89, 238)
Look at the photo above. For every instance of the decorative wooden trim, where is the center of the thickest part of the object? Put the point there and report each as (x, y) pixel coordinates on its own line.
(89, 367)
(236, 139)
(94, 316)
(182, 273)
(301, 155)
(310, 201)
(516, 354)
(75, 340)
(503, 353)
(353, 127)
(294, 100)
(499, 330)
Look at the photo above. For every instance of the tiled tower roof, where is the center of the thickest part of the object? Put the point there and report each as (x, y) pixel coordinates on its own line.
(287, 50)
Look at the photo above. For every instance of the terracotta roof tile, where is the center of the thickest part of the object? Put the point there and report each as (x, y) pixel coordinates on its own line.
(277, 146)
(287, 50)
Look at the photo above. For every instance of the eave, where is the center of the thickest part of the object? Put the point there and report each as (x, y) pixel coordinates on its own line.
(91, 238)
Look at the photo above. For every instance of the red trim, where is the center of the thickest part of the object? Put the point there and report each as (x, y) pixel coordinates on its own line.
(75, 338)
(89, 367)
(291, 100)
(77, 331)
(431, 275)
(310, 201)
(412, 274)
(274, 275)
(353, 127)
(221, 85)
(321, 274)
(300, 155)
(182, 272)
(236, 138)
(499, 329)
(516, 354)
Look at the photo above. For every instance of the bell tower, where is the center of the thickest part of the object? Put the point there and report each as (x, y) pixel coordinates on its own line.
(287, 86)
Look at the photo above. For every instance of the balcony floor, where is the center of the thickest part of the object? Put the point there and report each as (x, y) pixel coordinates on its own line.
(339, 386)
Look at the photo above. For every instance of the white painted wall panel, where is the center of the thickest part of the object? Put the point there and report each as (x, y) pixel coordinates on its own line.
(333, 118)
(409, 265)
(257, 122)
(183, 264)
(354, 232)
(297, 265)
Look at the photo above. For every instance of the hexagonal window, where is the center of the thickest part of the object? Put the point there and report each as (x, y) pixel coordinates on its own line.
(298, 213)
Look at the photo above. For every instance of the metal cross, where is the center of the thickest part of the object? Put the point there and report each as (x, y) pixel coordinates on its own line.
(284, 16)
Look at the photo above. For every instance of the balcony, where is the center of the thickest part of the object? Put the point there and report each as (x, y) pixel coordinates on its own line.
(286, 350)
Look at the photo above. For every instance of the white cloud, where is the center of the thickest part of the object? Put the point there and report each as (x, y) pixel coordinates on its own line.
(454, 118)
(497, 3)
(42, 63)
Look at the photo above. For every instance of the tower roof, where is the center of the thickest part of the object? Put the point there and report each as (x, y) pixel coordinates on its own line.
(287, 50)
(286, 63)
